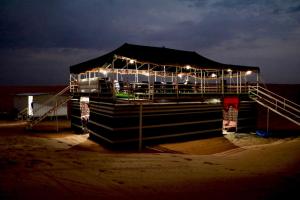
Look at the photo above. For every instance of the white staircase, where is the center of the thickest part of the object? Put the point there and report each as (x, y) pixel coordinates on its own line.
(276, 103)
(56, 102)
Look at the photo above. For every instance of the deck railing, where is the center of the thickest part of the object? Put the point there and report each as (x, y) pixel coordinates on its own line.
(137, 90)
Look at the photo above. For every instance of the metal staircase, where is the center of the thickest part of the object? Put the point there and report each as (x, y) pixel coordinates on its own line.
(50, 106)
(276, 103)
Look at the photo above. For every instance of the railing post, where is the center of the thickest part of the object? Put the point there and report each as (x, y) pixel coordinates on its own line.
(55, 111)
(268, 112)
(141, 127)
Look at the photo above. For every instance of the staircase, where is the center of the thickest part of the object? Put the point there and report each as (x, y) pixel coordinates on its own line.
(55, 102)
(278, 104)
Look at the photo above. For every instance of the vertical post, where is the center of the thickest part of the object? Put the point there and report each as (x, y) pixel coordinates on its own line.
(89, 75)
(195, 77)
(240, 82)
(164, 74)
(237, 82)
(222, 81)
(257, 80)
(117, 78)
(230, 77)
(141, 127)
(149, 86)
(201, 84)
(136, 73)
(268, 112)
(204, 82)
(113, 69)
(56, 116)
(177, 89)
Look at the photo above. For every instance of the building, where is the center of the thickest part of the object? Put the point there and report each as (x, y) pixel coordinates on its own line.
(141, 93)
(35, 105)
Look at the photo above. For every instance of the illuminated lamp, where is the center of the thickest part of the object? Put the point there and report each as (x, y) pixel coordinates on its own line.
(180, 75)
(188, 66)
(229, 70)
(131, 61)
(213, 75)
(248, 72)
(104, 72)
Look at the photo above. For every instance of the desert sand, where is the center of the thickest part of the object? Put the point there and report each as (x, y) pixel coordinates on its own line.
(45, 164)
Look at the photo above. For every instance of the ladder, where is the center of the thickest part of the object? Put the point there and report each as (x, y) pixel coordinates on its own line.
(276, 103)
(55, 103)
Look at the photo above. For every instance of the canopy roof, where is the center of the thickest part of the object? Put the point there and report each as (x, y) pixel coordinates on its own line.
(157, 56)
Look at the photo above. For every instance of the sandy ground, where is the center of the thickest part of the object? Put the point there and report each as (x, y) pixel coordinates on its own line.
(44, 164)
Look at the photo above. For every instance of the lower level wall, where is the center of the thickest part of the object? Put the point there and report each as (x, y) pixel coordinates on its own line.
(247, 116)
(119, 123)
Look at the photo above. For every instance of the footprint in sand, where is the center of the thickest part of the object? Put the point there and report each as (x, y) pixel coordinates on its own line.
(210, 163)
(34, 162)
(119, 182)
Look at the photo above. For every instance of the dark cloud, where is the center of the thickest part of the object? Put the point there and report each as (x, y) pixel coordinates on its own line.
(48, 36)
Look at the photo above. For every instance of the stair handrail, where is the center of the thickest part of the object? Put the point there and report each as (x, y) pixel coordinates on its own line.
(279, 113)
(34, 122)
(23, 112)
(283, 100)
(279, 107)
(52, 98)
(276, 103)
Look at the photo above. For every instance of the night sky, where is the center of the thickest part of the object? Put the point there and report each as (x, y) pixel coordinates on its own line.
(40, 39)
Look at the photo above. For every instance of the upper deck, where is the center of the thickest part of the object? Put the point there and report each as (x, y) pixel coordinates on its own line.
(134, 72)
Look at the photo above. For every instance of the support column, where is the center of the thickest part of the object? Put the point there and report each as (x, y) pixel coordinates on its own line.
(240, 82)
(268, 115)
(222, 79)
(141, 127)
(177, 89)
(201, 84)
(237, 82)
(149, 86)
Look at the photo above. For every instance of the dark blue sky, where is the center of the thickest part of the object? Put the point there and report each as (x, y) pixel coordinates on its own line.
(40, 39)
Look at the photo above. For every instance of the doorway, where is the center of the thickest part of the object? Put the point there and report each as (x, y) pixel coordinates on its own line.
(84, 112)
(230, 114)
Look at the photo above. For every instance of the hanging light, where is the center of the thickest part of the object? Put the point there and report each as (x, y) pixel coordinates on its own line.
(180, 75)
(131, 61)
(248, 72)
(188, 66)
(213, 75)
(229, 70)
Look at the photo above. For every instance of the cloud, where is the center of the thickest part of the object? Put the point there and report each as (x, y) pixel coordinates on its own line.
(55, 34)
(36, 66)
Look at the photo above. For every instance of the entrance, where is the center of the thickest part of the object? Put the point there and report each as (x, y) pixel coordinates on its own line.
(84, 112)
(230, 114)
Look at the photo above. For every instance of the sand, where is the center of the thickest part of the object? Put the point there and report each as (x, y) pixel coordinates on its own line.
(44, 164)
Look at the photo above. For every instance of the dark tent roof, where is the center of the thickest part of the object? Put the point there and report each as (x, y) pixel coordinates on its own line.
(156, 55)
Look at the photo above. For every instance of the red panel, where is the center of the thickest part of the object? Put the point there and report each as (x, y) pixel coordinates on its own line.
(231, 101)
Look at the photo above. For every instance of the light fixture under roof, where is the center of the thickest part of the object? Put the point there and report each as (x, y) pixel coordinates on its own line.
(248, 72)
(213, 75)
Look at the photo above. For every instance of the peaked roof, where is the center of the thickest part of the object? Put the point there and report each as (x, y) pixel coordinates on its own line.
(157, 55)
